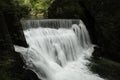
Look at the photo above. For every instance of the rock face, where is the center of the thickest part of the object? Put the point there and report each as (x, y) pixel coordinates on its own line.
(15, 29)
(12, 13)
(5, 39)
(106, 14)
(101, 18)
(11, 64)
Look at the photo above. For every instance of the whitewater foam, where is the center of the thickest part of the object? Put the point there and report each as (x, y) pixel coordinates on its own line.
(59, 54)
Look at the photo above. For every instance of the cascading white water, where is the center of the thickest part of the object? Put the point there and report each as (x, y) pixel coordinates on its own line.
(58, 54)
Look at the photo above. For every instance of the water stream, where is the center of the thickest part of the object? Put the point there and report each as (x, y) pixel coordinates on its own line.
(58, 49)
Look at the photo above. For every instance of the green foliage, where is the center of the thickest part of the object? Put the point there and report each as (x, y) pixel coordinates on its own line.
(37, 7)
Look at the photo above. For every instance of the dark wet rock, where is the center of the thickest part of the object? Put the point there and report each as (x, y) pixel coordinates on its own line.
(106, 14)
(11, 68)
(5, 39)
(11, 64)
(97, 52)
(12, 13)
(106, 68)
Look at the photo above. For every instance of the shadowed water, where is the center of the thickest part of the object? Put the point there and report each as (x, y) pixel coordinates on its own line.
(58, 54)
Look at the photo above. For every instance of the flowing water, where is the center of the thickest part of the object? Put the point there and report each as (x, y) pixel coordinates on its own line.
(58, 49)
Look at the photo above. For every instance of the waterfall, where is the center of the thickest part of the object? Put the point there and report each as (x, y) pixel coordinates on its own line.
(54, 23)
(57, 49)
